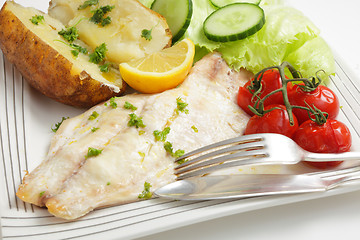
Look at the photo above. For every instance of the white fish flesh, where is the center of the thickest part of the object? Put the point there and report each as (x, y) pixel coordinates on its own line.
(70, 184)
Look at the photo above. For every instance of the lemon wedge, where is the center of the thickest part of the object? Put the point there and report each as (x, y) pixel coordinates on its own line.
(161, 70)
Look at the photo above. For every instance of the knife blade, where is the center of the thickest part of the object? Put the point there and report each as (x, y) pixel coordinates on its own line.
(240, 186)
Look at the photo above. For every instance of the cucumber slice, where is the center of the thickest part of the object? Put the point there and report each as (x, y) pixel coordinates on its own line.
(223, 3)
(234, 22)
(177, 14)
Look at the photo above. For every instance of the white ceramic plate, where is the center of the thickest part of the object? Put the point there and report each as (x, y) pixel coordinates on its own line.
(26, 118)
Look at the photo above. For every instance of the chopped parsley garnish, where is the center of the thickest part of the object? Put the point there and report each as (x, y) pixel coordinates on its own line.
(99, 54)
(92, 152)
(77, 49)
(94, 129)
(146, 194)
(41, 193)
(37, 19)
(104, 67)
(135, 121)
(113, 103)
(88, 3)
(128, 105)
(75, 53)
(93, 115)
(69, 34)
(168, 147)
(161, 135)
(99, 13)
(106, 21)
(181, 106)
(145, 33)
(194, 128)
(57, 125)
(182, 161)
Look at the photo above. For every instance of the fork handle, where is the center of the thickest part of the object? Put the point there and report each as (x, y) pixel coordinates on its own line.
(329, 157)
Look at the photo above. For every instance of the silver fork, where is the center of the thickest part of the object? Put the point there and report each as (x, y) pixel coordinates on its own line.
(259, 149)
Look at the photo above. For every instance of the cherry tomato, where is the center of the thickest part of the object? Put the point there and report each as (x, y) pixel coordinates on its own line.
(271, 81)
(331, 137)
(323, 98)
(276, 121)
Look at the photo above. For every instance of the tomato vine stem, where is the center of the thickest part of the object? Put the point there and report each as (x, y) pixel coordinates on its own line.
(310, 84)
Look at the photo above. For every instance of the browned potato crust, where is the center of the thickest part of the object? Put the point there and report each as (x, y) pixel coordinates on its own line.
(45, 68)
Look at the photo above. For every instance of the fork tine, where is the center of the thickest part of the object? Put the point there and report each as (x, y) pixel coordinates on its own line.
(237, 140)
(209, 158)
(231, 160)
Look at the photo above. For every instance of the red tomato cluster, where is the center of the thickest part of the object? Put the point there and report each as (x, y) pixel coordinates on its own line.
(330, 137)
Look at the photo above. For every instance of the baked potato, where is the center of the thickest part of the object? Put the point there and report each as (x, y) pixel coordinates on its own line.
(47, 61)
(123, 35)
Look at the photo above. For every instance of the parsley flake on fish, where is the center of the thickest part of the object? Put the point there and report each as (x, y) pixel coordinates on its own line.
(169, 148)
(146, 194)
(161, 135)
(57, 125)
(181, 106)
(128, 105)
(194, 128)
(135, 121)
(92, 152)
(94, 115)
(94, 129)
(113, 103)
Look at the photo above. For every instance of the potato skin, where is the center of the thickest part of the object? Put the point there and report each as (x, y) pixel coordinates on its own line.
(46, 69)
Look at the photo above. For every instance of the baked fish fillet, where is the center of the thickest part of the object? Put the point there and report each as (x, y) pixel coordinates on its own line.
(70, 184)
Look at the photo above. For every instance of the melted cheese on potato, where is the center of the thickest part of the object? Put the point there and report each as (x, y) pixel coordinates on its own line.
(123, 35)
(47, 31)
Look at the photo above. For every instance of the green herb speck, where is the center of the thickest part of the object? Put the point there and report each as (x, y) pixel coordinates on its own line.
(146, 194)
(37, 19)
(99, 13)
(99, 54)
(113, 103)
(57, 125)
(94, 129)
(87, 4)
(92, 152)
(69, 34)
(135, 121)
(128, 105)
(181, 106)
(145, 33)
(104, 68)
(161, 135)
(94, 115)
(168, 148)
(194, 128)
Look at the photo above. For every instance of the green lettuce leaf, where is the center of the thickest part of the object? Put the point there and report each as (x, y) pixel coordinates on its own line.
(286, 36)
